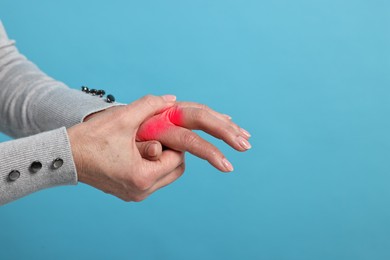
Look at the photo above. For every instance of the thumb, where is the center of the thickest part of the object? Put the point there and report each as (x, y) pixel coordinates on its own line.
(150, 150)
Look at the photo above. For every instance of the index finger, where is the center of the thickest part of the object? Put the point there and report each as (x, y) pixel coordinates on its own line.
(200, 119)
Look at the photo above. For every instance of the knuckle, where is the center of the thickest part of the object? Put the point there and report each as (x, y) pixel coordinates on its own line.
(131, 197)
(225, 131)
(190, 139)
(143, 148)
(126, 196)
(212, 153)
(200, 115)
(139, 198)
(142, 183)
(150, 100)
(235, 126)
(215, 153)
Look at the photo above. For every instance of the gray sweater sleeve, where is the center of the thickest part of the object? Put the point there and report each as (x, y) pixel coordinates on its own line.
(36, 162)
(38, 109)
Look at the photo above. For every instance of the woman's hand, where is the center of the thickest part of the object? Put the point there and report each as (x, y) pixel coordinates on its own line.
(107, 157)
(173, 129)
(110, 145)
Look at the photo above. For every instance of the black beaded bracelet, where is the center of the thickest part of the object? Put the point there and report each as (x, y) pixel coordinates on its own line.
(94, 92)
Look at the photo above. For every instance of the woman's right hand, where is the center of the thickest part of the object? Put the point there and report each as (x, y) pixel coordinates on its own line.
(110, 145)
(107, 157)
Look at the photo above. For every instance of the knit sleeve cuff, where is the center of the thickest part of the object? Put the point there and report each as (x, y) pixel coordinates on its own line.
(4, 37)
(53, 152)
(64, 106)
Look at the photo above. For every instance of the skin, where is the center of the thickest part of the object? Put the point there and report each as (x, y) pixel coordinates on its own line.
(173, 129)
(119, 150)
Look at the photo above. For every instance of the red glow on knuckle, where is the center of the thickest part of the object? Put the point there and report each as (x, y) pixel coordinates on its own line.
(175, 116)
(153, 128)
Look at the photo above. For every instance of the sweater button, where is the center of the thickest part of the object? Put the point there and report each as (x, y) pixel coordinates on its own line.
(57, 163)
(110, 98)
(93, 92)
(85, 89)
(13, 175)
(35, 166)
(100, 93)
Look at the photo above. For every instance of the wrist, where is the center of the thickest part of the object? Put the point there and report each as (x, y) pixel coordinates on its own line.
(77, 155)
(90, 116)
(94, 114)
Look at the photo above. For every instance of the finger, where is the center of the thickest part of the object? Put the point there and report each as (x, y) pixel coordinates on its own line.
(150, 150)
(168, 161)
(204, 107)
(194, 118)
(223, 117)
(164, 181)
(148, 106)
(168, 179)
(182, 139)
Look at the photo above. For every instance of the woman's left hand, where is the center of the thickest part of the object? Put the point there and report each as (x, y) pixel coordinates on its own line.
(173, 129)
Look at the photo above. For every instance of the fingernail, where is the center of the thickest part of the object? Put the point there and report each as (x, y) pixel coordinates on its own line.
(243, 143)
(169, 98)
(227, 165)
(246, 133)
(152, 150)
(228, 117)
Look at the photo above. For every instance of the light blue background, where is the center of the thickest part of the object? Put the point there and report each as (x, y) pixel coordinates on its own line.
(309, 79)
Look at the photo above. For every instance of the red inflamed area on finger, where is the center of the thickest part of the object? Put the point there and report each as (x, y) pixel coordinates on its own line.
(159, 124)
